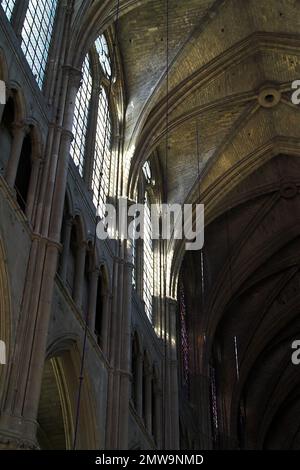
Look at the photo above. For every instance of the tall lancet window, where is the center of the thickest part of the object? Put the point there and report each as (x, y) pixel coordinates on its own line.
(102, 157)
(8, 6)
(147, 172)
(81, 115)
(104, 56)
(92, 127)
(148, 278)
(37, 35)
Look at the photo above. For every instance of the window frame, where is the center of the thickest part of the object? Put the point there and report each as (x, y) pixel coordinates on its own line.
(99, 144)
(9, 8)
(33, 31)
(148, 259)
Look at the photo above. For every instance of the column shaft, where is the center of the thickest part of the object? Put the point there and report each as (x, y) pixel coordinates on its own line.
(94, 278)
(32, 187)
(66, 241)
(79, 274)
(19, 132)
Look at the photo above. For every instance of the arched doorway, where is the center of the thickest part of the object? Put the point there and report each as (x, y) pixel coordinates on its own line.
(52, 433)
(58, 407)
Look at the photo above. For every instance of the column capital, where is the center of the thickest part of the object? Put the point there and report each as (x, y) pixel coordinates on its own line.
(75, 75)
(14, 443)
(20, 126)
(67, 133)
(46, 240)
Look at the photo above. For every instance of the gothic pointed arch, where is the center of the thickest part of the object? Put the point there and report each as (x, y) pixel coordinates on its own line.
(63, 369)
(5, 320)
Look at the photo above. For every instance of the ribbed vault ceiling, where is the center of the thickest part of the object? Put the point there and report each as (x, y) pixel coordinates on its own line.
(221, 53)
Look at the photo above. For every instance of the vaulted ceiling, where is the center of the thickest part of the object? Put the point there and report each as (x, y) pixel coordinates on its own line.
(222, 54)
(247, 287)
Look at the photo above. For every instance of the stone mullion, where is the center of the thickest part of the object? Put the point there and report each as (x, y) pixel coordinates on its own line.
(18, 17)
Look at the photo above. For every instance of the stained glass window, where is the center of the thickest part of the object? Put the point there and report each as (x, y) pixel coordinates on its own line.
(8, 6)
(104, 57)
(184, 338)
(214, 403)
(102, 164)
(102, 157)
(37, 34)
(81, 114)
(148, 259)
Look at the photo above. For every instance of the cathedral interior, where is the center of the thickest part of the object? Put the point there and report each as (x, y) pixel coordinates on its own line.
(141, 344)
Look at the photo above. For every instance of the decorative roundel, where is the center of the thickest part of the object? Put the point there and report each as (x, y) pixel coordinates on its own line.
(288, 190)
(269, 97)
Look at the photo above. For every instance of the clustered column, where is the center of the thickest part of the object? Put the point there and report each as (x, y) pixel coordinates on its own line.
(19, 131)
